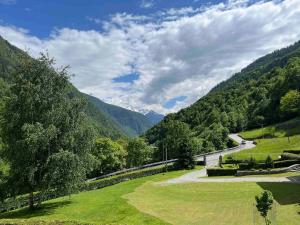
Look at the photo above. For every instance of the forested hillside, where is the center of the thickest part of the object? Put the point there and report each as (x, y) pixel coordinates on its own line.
(109, 120)
(132, 123)
(265, 92)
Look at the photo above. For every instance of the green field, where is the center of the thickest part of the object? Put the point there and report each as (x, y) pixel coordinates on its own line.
(288, 128)
(272, 146)
(146, 201)
(271, 140)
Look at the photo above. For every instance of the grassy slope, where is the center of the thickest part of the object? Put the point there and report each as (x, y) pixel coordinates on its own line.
(143, 201)
(210, 203)
(275, 141)
(103, 206)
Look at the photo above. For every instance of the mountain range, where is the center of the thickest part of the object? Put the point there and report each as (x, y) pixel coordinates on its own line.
(109, 120)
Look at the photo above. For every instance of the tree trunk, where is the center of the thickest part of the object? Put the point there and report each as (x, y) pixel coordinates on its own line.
(31, 201)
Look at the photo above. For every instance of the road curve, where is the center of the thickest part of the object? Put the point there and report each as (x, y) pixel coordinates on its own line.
(212, 160)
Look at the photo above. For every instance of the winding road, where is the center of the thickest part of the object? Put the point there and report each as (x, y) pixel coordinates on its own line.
(213, 160)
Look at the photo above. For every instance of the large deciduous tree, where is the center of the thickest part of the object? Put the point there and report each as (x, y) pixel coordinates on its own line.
(111, 155)
(290, 104)
(47, 141)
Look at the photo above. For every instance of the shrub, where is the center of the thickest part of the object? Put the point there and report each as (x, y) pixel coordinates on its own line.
(252, 163)
(288, 156)
(292, 151)
(269, 162)
(221, 172)
(285, 163)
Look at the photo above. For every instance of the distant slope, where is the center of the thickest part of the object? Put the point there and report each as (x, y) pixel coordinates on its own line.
(132, 123)
(154, 117)
(249, 99)
(9, 58)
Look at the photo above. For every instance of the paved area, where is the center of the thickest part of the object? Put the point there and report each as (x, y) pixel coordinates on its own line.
(212, 160)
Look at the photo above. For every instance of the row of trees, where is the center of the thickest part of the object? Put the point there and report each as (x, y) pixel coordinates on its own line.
(112, 155)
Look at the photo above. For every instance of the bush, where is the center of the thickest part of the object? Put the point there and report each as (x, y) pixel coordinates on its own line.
(285, 163)
(288, 156)
(123, 177)
(269, 162)
(221, 172)
(292, 151)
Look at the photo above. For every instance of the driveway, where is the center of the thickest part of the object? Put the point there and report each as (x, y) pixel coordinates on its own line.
(211, 161)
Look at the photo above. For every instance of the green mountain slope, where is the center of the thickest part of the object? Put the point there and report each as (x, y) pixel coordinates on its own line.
(106, 126)
(251, 98)
(132, 123)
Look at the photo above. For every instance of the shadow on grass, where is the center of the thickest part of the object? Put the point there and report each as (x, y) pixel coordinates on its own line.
(25, 213)
(284, 193)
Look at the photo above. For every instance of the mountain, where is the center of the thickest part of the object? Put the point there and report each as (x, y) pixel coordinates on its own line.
(154, 117)
(251, 98)
(109, 120)
(106, 126)
(132, 123)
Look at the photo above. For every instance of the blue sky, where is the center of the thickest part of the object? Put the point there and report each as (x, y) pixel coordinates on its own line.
(41, 17)
(160, 55)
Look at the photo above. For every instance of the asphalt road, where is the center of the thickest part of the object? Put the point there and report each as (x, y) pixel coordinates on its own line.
(211, 161)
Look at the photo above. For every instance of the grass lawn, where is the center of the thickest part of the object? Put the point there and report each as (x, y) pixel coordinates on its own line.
(288, 128)
(103, 206)
(215, 203)
(272, 146)
(144, 201)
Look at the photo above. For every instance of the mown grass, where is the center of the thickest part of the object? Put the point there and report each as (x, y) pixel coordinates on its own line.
(215, 203)
(147, 201)
(103, 206)
(272, 146)
(271, 140)
(285, 129)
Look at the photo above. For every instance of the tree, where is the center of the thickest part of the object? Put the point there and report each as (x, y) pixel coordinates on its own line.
(186, 157)
(264, 205)
(42, 128)
(111, 155)
(170, 134)
(269, 162)
(290, 104)
(139, 152)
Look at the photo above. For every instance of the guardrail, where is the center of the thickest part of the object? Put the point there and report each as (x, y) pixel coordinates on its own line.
(157, 164)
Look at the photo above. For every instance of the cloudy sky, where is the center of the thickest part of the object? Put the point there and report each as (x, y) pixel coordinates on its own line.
(159, 55)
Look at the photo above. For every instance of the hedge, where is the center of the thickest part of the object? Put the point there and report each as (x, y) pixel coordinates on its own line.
(288, 156)
(221, 172)
(22, 200)
(292, 151)
(285, 163)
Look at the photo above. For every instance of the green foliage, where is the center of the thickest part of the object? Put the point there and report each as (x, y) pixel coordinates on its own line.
(221, 172)
(290, 104)
(111, 156)
(248, 100)
(139, 152)
(287, 156)
(132, 123)
(186, 156)
(40, 126)
(269, 162)
(264, 204)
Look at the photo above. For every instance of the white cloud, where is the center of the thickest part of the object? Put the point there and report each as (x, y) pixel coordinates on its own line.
(147, 4)
(184, 56)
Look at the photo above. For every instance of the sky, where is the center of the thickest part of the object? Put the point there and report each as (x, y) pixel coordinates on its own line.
(160, 55)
